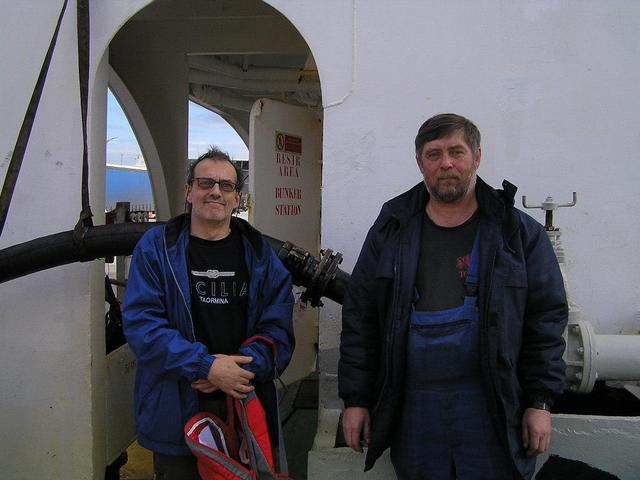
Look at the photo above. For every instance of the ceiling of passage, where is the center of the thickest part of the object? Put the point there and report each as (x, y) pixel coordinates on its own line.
(237, 51)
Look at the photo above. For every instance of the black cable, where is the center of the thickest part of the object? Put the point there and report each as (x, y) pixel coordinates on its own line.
(25, 130)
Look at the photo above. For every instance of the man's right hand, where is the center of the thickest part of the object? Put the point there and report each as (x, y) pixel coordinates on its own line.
(227, 374)
(355, 425)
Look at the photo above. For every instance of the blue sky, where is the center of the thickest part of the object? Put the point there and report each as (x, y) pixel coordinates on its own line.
(205, 128)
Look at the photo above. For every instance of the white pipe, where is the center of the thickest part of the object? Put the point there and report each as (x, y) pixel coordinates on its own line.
(217, 80)
(617, 357)
(213, 65)
(590, 357)
(211, 96)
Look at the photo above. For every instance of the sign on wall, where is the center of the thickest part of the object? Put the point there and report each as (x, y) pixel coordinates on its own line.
(285, 176)
(285, 172)
(289, 160)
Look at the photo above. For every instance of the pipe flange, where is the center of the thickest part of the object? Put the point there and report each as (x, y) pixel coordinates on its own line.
(329, 274)
(324, 272)
(579, 356)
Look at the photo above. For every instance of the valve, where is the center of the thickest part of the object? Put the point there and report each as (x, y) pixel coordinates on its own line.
(549, 205)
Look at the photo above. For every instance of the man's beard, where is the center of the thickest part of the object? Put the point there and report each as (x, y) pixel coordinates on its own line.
(450, 193)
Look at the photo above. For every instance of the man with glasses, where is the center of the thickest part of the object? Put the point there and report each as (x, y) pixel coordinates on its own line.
(207, 311)
(452, 335)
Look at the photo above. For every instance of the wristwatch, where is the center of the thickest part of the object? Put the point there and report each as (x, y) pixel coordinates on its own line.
(540, 405)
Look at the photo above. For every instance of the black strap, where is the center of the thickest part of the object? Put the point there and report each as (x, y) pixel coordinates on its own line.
(84, 221)
(25, 130)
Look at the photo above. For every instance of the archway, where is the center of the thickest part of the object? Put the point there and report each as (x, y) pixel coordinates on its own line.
(225, 57)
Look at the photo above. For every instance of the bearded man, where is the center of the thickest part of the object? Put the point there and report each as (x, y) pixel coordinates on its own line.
(452, 336)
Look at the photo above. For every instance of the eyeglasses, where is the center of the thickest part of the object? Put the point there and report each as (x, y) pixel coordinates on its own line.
(207, 183)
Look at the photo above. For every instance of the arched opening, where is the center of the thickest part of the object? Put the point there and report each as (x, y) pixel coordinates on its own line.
(224, 56)
(128, 178)
(244, 61)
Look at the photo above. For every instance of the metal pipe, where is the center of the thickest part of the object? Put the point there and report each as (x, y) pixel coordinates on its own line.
(590, 356)
(617, 357)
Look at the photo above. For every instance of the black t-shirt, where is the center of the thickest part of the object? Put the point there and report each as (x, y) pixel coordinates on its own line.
(219, 283)
(445, 257)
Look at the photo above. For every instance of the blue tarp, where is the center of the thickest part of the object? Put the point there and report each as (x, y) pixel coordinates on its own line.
(128, 185)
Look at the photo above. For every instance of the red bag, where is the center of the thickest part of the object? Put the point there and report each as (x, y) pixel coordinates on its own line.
(233, 451)
(241, 450)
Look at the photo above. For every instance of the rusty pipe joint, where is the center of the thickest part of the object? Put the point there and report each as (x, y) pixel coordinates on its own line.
(306, 270)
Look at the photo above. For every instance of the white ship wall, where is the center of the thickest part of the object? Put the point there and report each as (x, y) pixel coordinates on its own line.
(552, 85)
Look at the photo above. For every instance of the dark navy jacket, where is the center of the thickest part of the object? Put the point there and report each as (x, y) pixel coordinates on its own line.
(522, 306)
(159, 328)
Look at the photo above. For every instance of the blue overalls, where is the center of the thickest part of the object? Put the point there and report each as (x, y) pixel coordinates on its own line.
(445, 430)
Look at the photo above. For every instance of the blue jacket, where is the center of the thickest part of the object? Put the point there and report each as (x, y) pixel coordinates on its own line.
(522, 306)
(159, 328)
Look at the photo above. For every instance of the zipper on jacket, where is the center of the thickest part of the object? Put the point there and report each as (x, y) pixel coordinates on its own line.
(493, 406)
(394, 316)
(175, 279)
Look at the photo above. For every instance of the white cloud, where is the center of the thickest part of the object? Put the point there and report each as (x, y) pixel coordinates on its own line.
(205, 128)
(208, 128)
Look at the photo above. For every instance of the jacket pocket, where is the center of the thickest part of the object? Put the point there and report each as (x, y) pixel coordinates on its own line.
(516, 277)
(159, 412)
(514, 304)
(384, 268)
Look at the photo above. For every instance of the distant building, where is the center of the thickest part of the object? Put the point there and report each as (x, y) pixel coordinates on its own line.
(128, 184)
(132, 184)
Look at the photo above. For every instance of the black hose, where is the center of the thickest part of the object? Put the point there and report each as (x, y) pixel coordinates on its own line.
(120, 239)
(59, 249)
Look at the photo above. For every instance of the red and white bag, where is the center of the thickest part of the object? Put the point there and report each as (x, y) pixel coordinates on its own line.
(240, 449)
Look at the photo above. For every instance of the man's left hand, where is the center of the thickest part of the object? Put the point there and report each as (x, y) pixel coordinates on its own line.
(227, 374)
(204, 386)
(536, 431)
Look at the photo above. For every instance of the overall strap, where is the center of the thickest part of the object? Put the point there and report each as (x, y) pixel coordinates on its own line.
(471, 282)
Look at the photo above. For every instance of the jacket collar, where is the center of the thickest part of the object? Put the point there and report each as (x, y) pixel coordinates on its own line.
(180, 224)
(492, 202)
